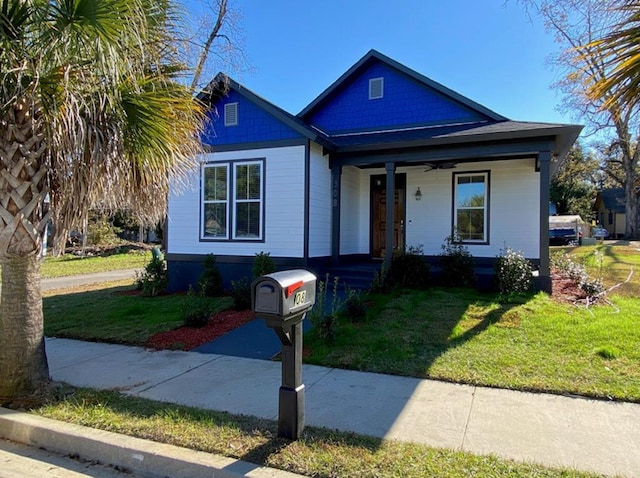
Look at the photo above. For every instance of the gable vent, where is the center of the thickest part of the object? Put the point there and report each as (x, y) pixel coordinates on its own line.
(376, 88)
(231, 114)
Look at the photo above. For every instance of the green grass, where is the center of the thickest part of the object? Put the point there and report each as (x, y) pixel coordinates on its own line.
(467, 337)
(114, 315)
(319, 452)
(69, 264)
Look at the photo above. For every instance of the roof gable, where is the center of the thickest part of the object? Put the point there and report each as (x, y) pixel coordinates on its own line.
(409, 100)
(258, 119)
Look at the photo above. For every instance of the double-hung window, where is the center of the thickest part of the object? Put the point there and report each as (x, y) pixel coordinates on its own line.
(232, 200)
(471, 206)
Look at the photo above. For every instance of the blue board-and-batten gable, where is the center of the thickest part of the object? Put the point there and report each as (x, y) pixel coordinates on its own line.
(409, 100)
(255, 124)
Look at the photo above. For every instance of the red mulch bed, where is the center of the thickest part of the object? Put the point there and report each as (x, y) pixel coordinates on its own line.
(187, 338)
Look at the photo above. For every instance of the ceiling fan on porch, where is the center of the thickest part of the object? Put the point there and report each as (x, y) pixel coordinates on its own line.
(443, 165)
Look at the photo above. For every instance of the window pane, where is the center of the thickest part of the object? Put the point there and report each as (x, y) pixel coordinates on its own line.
(248, 219)
(470, 224)
(215, 220)
(248, 184)
(470, 192)
(215, 183)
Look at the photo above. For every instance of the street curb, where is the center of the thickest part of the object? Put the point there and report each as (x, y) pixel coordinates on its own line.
(144, 457)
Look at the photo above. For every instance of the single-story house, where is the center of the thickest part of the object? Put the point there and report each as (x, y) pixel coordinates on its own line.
(609, 210)
(313, 189)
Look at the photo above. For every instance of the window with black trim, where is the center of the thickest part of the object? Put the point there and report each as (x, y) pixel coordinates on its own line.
(232, 196)
(471, 199)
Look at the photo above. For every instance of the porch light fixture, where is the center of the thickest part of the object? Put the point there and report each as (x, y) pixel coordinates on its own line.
(418, 194)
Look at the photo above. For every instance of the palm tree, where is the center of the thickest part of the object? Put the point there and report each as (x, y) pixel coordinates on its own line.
(90, 113)
(620, 49)
(617, 87)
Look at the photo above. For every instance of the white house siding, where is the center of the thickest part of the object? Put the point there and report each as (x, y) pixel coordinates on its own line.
(354, 218)
(513, 216)
(514, 198)
(284, 208)
(319, 204)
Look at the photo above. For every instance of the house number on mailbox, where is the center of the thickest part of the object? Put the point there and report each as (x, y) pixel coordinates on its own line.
(298, 299)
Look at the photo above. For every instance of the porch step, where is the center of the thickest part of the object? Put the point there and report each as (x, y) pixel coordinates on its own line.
(358, 276)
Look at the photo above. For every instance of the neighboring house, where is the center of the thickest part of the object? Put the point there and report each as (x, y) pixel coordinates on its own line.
(609, 209)
(312, 190)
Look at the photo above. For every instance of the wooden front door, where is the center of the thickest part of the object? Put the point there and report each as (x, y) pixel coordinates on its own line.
(379, 214)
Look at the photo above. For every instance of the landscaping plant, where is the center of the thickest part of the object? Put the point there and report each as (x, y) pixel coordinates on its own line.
(154, 279)
(241, 294)
(457, 263)
(408, 269)
(210, 282)
(263, 264)
(196, 309)
(514, 273)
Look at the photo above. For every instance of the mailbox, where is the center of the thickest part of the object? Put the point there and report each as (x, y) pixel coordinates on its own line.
(283, 296)
(283, 299)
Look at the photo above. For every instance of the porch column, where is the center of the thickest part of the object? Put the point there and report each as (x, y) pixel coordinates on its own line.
(544, 159)
(390, 212)
(336, 179)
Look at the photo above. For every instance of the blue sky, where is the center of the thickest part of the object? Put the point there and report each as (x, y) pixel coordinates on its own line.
(487, 50)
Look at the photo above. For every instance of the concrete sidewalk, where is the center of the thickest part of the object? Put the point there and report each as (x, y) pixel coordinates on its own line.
(578, 433)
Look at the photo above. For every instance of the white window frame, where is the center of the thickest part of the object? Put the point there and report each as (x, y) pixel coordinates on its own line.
(484, 208)
(231, 119)
(237, 201)
(204, 201)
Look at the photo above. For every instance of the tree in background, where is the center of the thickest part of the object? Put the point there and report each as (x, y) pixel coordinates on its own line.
(574, 187)
(584, 60)
(90, 113)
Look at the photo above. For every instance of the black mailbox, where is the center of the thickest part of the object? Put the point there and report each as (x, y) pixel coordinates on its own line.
(283, 299)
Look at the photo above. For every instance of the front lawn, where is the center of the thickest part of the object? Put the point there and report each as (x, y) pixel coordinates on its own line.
(115, 315)
(463, 336)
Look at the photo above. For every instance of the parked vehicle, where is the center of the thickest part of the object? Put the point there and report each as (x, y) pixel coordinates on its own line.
(599, 233)
(563, 236)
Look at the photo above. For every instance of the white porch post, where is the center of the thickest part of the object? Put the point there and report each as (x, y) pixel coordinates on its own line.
(336, 178)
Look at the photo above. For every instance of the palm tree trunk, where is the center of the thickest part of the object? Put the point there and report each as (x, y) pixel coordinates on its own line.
(22, 353)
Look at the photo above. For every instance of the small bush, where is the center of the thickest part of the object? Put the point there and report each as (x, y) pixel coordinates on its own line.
(380, 284)
(263, 264)
(210, 282)
(514, 273)
(154, 279)
(241, 293)
(355, 307)
(323, 316)
(196, 309)
(457, 263)
(592, 287)
(408, 269)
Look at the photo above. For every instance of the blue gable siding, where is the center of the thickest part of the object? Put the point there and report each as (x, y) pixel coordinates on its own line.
(405, 103)
(254, 124)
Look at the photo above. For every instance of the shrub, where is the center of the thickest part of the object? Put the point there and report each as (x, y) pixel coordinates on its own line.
(408, 269)
(355, 307)
(457, 263)
(324, 317)
(514, 273)
(592, 287)
(241, 293)
(263, 264)
(210, 282)
(196, 309)
(154, 279)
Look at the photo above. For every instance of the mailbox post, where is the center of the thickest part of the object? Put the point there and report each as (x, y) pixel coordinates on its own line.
(283, 299)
